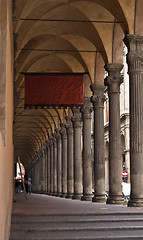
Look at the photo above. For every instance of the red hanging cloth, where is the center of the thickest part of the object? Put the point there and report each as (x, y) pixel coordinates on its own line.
(53, 90)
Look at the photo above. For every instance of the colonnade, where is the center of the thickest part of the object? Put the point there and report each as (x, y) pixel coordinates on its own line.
(69, 167)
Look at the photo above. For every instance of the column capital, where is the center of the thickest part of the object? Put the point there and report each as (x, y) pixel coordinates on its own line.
(87, 108)
(51, 141)
(54, 140)
(77, 122)
(63, 130)
(76, 119)
(114, 78)
(57, 134)
(69, 125)
(98, 100)
(134, 44)
(48, 143)
(62, 125)
(76, 112)
(44, 149)
(98, 97)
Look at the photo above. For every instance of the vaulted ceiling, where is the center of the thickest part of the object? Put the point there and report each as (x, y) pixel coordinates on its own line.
(64, 36)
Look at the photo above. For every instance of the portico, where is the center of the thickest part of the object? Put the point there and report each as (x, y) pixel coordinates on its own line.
(80, 43)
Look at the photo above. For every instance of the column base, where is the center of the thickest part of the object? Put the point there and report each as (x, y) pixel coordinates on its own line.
(54, 194)
(41, 192)
(115, 200)
(100, 199)
(76, 197)
(50, 194)
(63, 195)
(69, 195)
(86, 197)
(58, 194)
(137, 202)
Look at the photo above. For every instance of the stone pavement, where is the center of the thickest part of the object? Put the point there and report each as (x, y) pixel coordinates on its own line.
(43, 217)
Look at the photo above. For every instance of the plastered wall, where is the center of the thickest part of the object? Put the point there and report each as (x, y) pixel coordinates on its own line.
(6, 145)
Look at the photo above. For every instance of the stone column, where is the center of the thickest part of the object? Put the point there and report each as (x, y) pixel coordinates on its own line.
(113, 82)
(51, 166)
(87, 159)
(70, 174)
(64, 160)
(39, 173)
(48, 167)
(54, 165)
(135, 69)
(45, 150)
(35, 176)
(77, 123)
(59, 164)
(43, 164)
(99, 158)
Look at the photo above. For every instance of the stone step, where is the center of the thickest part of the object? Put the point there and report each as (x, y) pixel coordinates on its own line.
(88, 238)
(72, 224)
(80, 233)
(77, 226)
(79, 214)
(74, 216)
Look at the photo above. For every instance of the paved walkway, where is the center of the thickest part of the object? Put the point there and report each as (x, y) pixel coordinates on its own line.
(44, 217)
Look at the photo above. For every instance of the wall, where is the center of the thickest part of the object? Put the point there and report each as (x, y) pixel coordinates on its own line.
(6, 142)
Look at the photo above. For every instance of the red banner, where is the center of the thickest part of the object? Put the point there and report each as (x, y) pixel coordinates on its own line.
(53, 90)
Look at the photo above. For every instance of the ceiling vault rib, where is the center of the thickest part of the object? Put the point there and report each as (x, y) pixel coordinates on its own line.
(69, 20)
(59, 50)
(20, 115)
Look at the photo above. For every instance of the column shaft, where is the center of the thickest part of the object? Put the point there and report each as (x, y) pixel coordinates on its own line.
(64, 160)
(135, 64)
(70, 174)
(48, 168)
(87, 159)
(43, 171)
(59, 164)
(113, 82)
(99, 157)
(54, 166)
(77, 123)
(51, 166)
